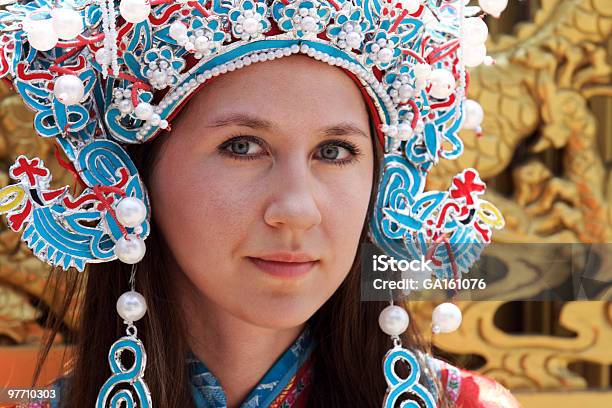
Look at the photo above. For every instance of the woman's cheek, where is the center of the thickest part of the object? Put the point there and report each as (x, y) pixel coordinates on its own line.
(343, 220)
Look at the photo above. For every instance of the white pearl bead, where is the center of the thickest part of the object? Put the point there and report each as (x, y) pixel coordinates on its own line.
(103, 56)
(160, 76)
(125, 106)
(419, 84)
(472, 114)
(392, 131)
(393, 320)
(474, 55)
(475, 31)
(446, 318)
(442, 83)
(130, 251)
(177, 31)
(422, 72)
(411, 6)
(201, 43)
(134, 11)
(385, 55)
(353, 39)
(309, 24)
(250, 25)
(404, 131)
(493, 7)
(131, 211)
(155, 119)
(405, 91)
(143, 111)
(41, 34)
(67, 23)
(69, 89)
(131, 306)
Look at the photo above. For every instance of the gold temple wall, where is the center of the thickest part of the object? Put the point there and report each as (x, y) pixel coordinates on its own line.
(546, 154)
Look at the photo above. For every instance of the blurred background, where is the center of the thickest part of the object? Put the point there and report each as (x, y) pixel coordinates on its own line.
(546, 154)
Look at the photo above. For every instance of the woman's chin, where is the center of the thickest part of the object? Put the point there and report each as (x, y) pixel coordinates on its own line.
(278, 312)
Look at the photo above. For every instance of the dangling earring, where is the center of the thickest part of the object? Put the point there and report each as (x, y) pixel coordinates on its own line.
(446, 317)
(131, 306)
(394, 320)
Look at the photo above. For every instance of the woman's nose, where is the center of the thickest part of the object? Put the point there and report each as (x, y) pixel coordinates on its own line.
(292, 201)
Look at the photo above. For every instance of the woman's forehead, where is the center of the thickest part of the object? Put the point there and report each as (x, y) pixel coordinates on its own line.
(294, 88)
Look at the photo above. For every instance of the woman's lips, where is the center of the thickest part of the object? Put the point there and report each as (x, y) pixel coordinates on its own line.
(283, 269)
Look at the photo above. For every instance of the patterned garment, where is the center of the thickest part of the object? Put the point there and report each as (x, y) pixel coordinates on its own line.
(285, 385)
(469, 390)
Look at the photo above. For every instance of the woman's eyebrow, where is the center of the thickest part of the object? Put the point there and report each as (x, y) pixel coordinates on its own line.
(241, 119)
(254, 122)
(344, 129)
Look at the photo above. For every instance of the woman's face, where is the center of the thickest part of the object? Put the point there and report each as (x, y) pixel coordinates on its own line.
(262, 189)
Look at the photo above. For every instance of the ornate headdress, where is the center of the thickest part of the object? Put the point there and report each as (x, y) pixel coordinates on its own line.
(102, 74)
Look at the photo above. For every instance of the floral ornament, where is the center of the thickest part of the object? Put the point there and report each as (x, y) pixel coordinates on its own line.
(383, 49)
(207, 36)
(400, 84)
(202, 36)
(306, 18)
(122, 99)
(348, 30)
(162, 67)
(249, 19)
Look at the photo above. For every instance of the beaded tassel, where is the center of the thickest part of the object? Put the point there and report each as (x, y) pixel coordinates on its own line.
(109, 17)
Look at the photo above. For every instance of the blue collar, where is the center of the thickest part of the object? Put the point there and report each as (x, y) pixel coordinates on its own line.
(207, 391)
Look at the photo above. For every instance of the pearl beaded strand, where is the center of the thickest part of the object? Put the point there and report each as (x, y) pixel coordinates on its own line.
(462, 80)
(107, 55)
(472, 112)
(112, 19)
(104, 56)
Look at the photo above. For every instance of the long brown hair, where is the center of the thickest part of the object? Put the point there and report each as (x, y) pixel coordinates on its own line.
(347, 360)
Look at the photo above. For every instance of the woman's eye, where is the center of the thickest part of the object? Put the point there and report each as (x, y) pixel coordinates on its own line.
(338, 152)
(243, 147)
